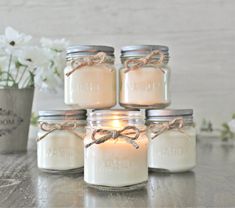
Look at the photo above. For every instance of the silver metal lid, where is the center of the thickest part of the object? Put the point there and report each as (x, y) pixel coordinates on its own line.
(169, 112)
(167, 115)
(144, 47)
(88, 50)
(143, 50)
(62, 114)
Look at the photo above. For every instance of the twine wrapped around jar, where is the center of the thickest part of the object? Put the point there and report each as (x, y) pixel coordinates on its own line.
(133, 64)
(159, 128)
(115, 134)
(99, 58)
(51, 127)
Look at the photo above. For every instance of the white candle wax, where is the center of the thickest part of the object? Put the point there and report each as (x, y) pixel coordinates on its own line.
(146, 87)
(116, 163)
(91, 87)
(173, 150)
(60, 150)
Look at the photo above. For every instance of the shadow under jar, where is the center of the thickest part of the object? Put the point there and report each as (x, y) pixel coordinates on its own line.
(90, 77)
(116, 150)
(144, 76)
(172, 140)
(60, 141)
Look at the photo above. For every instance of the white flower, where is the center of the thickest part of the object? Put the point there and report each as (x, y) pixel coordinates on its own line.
(59, 63)
(50, 78)
(46, 80)
(3, 63)
(4, 60)
(33, 57)
(231, 125)
(22, 65)
(57, 45)
(12, 39)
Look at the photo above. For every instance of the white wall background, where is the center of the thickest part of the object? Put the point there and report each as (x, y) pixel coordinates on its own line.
(199, 33)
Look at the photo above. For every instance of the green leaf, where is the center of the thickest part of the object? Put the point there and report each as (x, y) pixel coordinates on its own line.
(34, 119)
(226, 126)
(31, 82)
(226, 133)
(18, 64)
(206, 126)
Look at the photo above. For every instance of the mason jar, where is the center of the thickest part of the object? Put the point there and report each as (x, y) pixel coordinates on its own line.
(172, 140)
(60, 141)
(90, 77)
(144, 77)
(116, 150)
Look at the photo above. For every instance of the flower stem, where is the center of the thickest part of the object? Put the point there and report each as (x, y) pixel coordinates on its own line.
(8, 79)
(22, 75)
(17, 73)
(9, 68)
(26, 82)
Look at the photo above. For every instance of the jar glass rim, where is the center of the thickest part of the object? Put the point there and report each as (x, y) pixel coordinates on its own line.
(115, 114)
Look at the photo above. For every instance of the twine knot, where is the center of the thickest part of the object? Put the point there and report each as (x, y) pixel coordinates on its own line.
(76, 64)
(133, 64)
(160, 128)
(129, 133)
(67, 126)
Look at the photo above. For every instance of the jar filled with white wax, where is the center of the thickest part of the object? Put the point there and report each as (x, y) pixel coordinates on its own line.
(60, 141)
(172, 140)
(116, 150)
(144, 77)
(90, 77)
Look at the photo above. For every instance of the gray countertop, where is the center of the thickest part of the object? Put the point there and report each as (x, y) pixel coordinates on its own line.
(210, 184)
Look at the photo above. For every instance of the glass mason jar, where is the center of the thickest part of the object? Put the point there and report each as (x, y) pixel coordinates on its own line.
(144, 77)
(90, 77)
(60, 141)
(116, 150)
(172, 140)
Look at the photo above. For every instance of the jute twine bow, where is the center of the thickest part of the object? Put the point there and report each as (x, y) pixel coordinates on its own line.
(129, 133)
(133, 64)
(67, 126)
(76, 64)
(160, 128)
